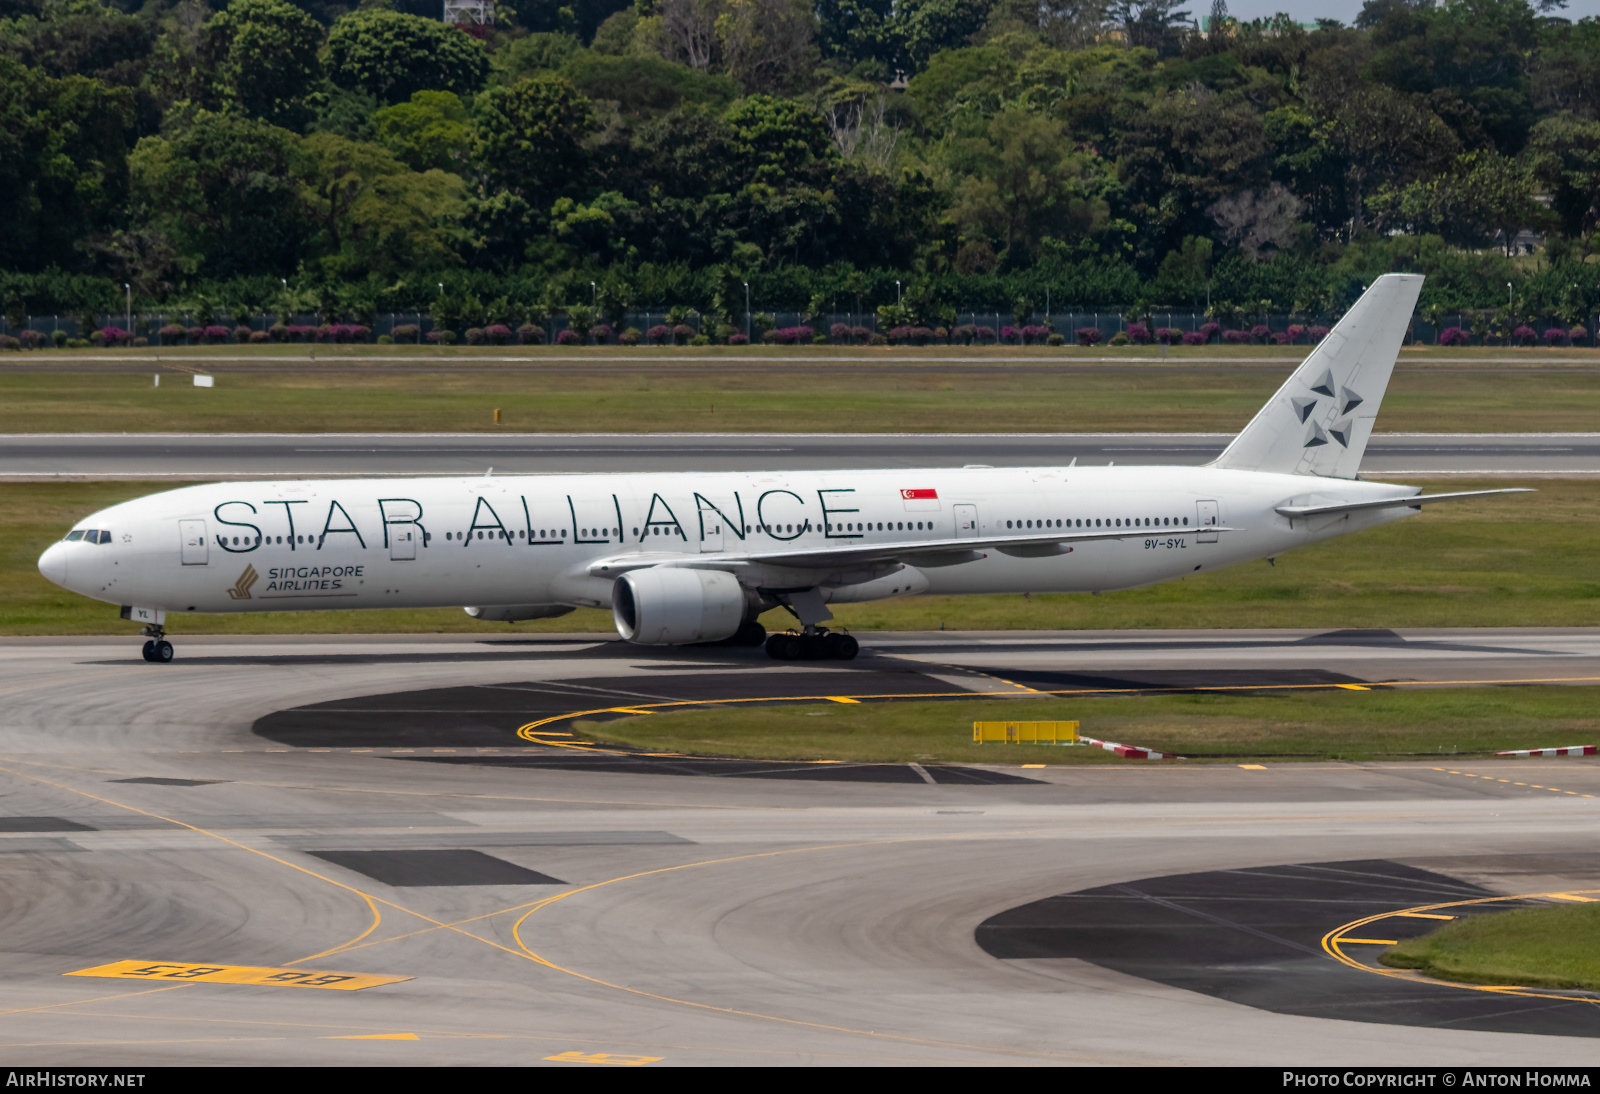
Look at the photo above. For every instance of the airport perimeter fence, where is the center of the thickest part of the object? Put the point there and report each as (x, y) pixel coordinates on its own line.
(971, 327)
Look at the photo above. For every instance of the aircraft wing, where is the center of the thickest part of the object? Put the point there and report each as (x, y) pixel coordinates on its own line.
(921, 553)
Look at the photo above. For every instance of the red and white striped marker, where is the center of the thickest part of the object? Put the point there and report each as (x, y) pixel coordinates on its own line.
(1574, 750)
(1128, 752)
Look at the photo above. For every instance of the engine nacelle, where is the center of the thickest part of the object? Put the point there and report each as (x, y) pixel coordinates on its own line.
(669, 606)
(512, 613)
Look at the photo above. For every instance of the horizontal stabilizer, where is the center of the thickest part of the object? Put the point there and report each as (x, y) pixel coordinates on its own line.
(1413, 501)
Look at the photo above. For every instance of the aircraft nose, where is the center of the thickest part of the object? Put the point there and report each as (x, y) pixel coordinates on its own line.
(53, 563)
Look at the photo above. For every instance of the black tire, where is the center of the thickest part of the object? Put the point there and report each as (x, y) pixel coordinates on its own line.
(792, 647)
(163, 652)
(832, 647)
(150, 650)
(750, 633)
(848, 648)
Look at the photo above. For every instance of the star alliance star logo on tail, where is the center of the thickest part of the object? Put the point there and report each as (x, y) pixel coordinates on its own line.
(241, 589)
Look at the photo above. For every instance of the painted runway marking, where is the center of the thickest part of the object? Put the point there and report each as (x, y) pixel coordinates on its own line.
(237, 974)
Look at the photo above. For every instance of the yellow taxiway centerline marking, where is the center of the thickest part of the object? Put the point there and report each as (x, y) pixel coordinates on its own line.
(842, 699)
(1335, 938)
(1494, 779)
(374, 1037)
(1253, 767)
(1370, 941)
(1573, 896)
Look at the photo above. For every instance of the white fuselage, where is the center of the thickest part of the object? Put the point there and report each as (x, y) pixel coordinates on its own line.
(528, 540)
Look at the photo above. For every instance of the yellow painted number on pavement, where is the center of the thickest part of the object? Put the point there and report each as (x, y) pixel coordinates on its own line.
(237, 974)
(602, 1058)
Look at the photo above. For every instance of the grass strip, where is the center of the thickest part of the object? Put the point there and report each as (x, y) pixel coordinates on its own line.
(783, 397)
(1215, 727)
(1557, 946)
(1519, 561)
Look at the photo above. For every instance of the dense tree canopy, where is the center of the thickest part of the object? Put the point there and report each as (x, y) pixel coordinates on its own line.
(977, 151)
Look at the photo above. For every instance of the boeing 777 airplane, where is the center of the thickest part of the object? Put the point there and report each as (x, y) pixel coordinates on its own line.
(684, 558)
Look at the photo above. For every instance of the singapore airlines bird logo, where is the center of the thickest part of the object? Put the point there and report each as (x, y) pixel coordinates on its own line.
(241, 590)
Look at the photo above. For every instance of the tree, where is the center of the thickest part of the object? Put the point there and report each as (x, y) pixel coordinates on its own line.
(1257, 219)
(1482, 196)
(924, 27)
(63, 164)
(856, 31)
(528, 147)
(777, 138)
(1566, 68)
(1152, 24)
(390, 56)
(221, 189)
(433, 130)
(374, 215)
(1467, 58)
(75, 39)
(1183, 153)
(1564, 154)
(266, 53)
(1022, 180)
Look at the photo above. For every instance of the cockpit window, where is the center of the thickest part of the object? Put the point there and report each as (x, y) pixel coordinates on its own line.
(105, 536)
(74, 536)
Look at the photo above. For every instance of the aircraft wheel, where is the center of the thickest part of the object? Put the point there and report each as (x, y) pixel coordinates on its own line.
(150, 650)
(847, 648)
(162, 652)
(750, 633)
(786, 647)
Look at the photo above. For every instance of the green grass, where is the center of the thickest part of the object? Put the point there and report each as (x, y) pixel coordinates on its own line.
(1232, 727)
(1549, 947)
(1524, 560)
(787, 394)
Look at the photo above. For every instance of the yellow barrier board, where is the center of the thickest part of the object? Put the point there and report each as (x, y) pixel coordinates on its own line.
(1025, 733)
(177, 972)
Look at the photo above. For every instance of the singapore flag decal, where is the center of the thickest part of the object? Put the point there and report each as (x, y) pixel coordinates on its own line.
(920, 501)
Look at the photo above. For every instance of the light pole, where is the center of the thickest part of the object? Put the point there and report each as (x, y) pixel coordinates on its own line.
(897, 294)
(594, 294)
(129, 290)
(747, 311)
(1508, 296)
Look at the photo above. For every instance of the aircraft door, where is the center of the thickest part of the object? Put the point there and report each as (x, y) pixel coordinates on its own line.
(192, 534)
(966, 521)
(711, 530)
(1206, 514)
(402, 542)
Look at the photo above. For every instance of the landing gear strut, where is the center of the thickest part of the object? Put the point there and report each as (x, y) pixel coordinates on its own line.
(816, 644)
(157, 650)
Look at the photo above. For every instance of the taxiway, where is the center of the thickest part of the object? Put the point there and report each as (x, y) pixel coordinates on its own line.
(365, 805)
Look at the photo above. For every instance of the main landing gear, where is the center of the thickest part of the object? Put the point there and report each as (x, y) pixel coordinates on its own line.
(814, 645)
(157, 650)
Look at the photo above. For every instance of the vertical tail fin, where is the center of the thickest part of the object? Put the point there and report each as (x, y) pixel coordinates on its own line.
(1319, 421)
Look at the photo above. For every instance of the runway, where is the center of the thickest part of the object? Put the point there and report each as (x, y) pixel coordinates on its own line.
(291, 811)
(31, 457)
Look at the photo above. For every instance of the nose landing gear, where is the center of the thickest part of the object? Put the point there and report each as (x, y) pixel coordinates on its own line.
(157, 650)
